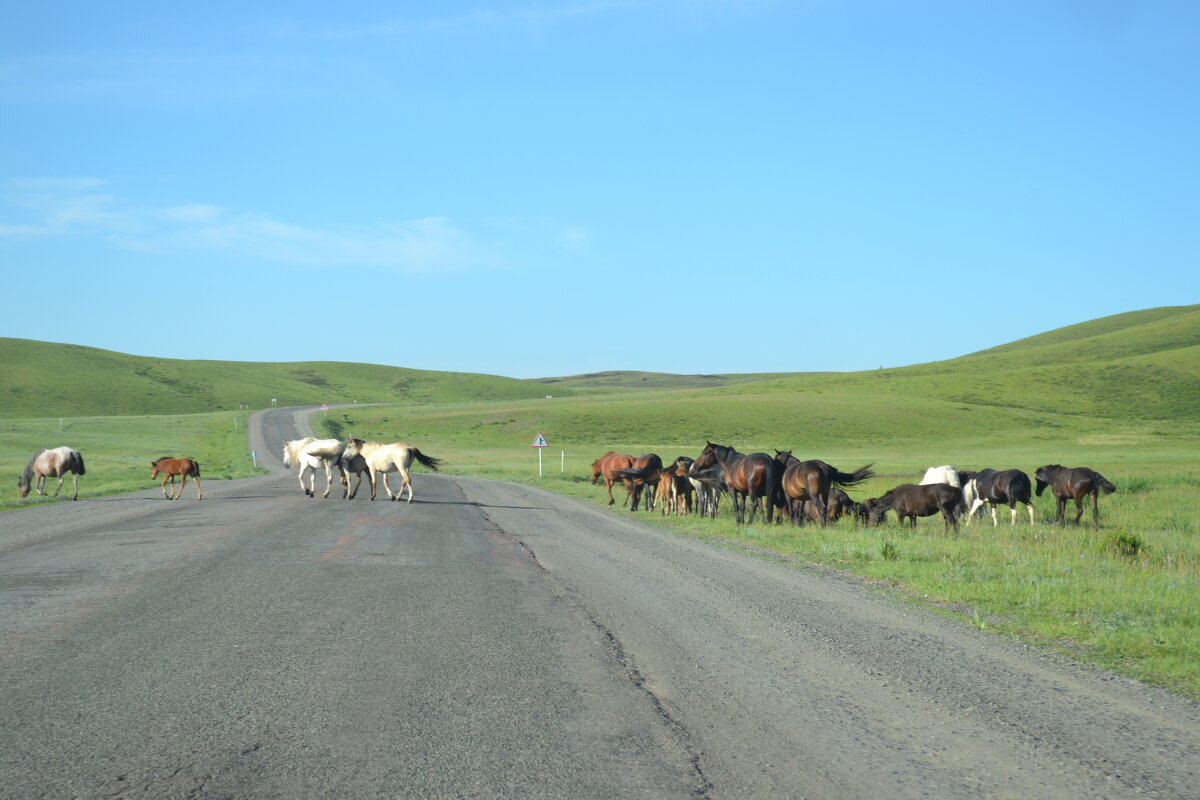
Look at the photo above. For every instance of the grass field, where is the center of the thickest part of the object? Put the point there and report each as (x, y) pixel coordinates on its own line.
(118, 450)
(1119, 394)
(1125, 596)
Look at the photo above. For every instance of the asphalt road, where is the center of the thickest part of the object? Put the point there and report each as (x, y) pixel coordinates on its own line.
(492, 640)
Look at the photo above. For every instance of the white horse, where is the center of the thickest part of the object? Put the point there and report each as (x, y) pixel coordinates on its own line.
(54, 463)
(309, 453)
(385, 458)
(353, 463)
(943, 474)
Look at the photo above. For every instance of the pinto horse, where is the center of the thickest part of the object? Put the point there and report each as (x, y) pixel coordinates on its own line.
(313, 454)
(606, 465)
(1010, 487)
(910, 501)
(54, 463)
(642, 475)
(1073, 483)
(749, 478)
(169, 468)
(385, 458)
(811, 481)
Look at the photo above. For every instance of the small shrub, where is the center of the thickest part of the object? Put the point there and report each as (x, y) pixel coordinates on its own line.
(889, 551)
(1124, 544)
(1133, 484)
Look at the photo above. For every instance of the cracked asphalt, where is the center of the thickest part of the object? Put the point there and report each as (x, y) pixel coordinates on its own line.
(493, 640)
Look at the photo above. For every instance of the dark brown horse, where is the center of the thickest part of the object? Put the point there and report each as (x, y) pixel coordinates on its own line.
(838, 504)
(811, 481)
(910, 501)
(749, 478)
(606, 465)
(169, 468)
(1073, 484)
(642, 475)
(1010, 486)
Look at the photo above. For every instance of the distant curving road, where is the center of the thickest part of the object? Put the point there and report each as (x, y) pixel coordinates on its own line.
(493, 640)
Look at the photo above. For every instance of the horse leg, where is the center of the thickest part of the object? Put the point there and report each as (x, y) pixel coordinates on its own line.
(58, 488)
(328, 480)
(373, 477)
(300, 477)
(1096, 508)
(1012, 507)
(1079, 508)
(1030, 507)
(75, 484)
(995, 522)
(199, 493)
(975, 504)
(182, 484)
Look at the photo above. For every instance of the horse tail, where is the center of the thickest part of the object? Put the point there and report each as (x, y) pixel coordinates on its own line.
(1105, 484)
(428, 461)
(631, 473)
(859, 475)
(195, 468)
(78, 457)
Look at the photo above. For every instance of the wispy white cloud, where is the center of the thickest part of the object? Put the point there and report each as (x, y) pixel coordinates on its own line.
(77, 208)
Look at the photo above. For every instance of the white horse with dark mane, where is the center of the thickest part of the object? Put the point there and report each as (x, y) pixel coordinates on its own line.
(385, 458)
(54, 463)
(310, 453)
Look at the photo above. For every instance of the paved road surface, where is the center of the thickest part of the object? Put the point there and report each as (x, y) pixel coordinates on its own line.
(491, 640)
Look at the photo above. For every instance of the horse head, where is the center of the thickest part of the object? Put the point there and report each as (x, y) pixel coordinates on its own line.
(1045, 476)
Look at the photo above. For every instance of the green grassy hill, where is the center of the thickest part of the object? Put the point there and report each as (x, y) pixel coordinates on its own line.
(44, 380)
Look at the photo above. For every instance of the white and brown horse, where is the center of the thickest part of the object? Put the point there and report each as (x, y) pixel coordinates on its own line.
(385, 458)
(169, 468)
(54, 463)
(309, 453)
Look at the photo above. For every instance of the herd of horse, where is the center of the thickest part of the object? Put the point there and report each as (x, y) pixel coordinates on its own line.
(352, 457)
(814, 490)
(756, 483)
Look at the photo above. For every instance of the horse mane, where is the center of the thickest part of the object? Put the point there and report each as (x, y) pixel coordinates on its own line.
(27, 475)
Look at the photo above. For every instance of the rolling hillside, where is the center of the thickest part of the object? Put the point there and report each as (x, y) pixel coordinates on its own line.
(1140, 365)
(40, 379)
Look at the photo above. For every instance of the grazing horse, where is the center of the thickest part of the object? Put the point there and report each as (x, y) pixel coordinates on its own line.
(1010, 487)
(912, 501)
(811, 481)
(642, 475)
(309, 453)
(837, 505)
(606, 465)
(749, 478)
(1073, 483)
(385, 458)
(54, 463)
(169, 468)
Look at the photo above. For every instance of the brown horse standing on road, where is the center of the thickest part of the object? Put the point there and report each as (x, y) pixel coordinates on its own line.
(169, 468)
(750, 478)
(1073, 484)
(606, 465)
(54, 463)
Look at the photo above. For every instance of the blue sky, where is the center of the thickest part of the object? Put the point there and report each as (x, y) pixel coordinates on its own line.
(548, 187)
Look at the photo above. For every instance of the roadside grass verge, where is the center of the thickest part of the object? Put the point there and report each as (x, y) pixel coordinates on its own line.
(1125, 596)
(117, 451)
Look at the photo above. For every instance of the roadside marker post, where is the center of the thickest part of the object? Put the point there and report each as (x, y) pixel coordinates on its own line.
(541, 444)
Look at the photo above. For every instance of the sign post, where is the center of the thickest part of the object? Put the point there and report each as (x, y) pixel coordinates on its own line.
(540, 443)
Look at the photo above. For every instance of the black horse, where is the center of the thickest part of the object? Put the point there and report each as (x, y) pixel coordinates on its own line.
(910, 501)
(1010, 486)
(1073, 484)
